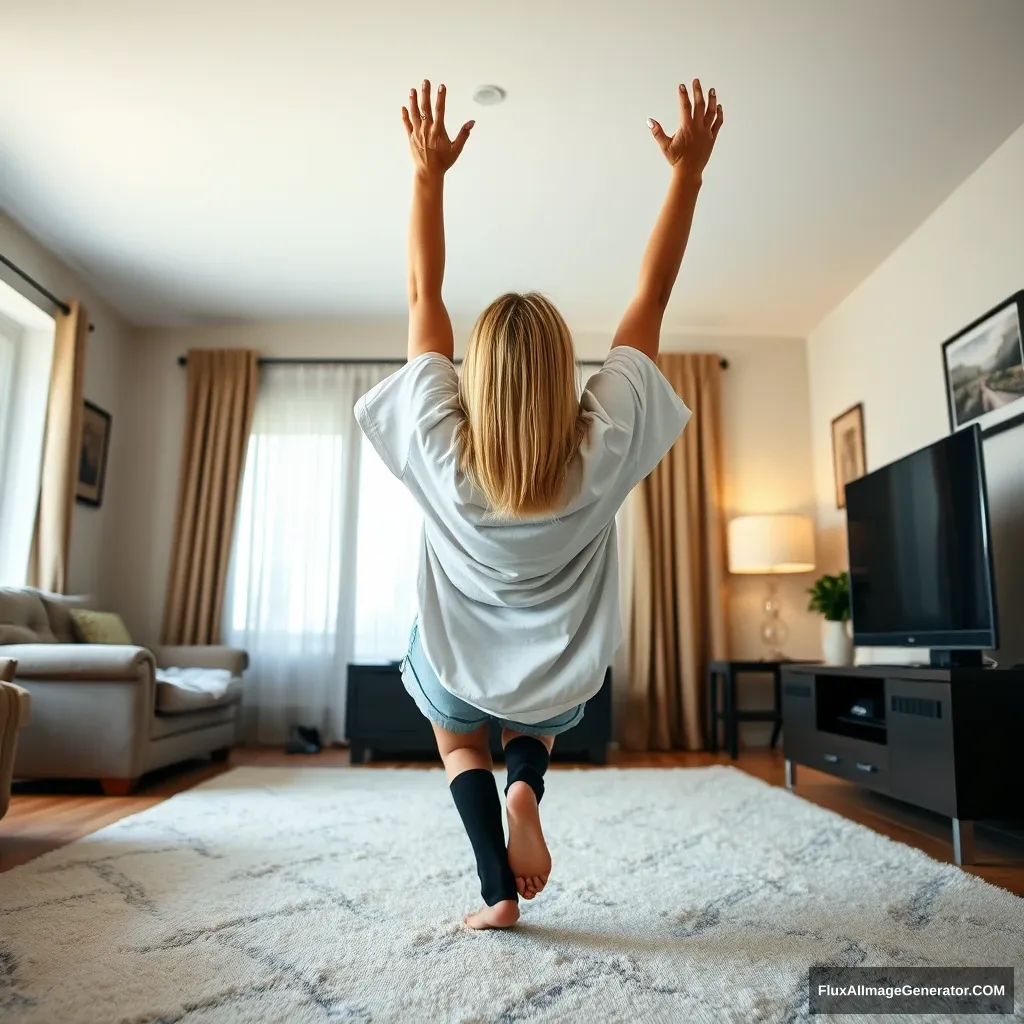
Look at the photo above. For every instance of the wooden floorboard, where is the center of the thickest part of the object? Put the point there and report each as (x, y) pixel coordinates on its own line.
(46, 815)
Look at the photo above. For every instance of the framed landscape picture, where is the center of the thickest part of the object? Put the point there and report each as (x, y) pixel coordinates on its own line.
(984, 368)
(849, 457)
(92, 461)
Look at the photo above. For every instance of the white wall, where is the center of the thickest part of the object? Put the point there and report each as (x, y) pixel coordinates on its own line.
(94, 549)
(882, 346)
(767, 450)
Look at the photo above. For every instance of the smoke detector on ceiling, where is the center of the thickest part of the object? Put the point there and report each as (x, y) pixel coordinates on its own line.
(489, 95)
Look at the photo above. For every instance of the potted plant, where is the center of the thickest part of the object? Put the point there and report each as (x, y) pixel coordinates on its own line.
(830, 596)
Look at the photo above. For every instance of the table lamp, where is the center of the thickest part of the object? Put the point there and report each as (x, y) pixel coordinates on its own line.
(771, 545)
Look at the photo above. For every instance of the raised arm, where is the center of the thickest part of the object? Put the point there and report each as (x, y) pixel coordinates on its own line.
(687, 152)
(433, 153)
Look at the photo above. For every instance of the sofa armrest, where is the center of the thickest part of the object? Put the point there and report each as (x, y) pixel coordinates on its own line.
(69, 662)
(234, 660)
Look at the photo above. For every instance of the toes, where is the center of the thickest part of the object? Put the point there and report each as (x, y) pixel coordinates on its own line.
(521, 886)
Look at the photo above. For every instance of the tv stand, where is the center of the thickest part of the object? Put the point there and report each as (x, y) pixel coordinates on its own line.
(939, 738)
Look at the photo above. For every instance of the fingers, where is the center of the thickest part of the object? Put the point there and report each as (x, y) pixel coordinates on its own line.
(659, 134)
(460, 140)
(685, 111)
(425, 112)
(414, 106)
(719, 118)
(698, 101)
(712, 111)
(441, 94)
(407, 121)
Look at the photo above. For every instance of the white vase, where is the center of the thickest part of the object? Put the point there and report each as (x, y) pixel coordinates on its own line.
(836, 643)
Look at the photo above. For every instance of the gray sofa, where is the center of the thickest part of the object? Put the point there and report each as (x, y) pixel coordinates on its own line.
(98, 711)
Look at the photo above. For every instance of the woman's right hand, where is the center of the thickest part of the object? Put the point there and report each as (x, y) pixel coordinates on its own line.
(432, 151)
(699, 123)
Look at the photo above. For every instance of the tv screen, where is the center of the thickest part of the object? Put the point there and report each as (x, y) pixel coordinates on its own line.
(920, 562)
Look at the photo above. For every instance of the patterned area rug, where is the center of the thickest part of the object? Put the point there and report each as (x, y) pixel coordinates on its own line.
(316, 895)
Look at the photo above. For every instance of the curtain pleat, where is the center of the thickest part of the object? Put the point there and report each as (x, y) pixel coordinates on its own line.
(51, 541)
(678, 619)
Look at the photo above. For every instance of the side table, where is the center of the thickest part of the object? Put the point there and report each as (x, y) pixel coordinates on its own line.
(730, 715)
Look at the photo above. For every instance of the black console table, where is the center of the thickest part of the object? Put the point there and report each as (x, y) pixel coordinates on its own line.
(382, 719)
(943, 739)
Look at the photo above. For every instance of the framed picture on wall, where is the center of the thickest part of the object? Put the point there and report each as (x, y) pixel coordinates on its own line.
(984, 368)
(92, 460)
(849, 457)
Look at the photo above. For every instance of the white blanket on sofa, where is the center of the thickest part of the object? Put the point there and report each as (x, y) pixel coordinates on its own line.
(212, 682)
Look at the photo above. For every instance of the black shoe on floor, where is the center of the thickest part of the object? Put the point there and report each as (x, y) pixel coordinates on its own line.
(300, 742)
(311, 736)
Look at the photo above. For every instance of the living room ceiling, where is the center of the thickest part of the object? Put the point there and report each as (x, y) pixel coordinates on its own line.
(200, 161)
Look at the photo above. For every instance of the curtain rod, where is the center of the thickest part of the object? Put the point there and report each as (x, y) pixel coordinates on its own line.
(183, 361)
(33, 283)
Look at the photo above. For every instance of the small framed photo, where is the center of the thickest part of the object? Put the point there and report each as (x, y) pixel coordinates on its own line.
(849, 457)
(984, 367)
(92, 460)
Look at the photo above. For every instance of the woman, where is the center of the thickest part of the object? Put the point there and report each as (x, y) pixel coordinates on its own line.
(519, 480)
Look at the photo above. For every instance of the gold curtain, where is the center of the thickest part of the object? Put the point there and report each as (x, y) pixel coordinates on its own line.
(678, 618)
(218, 416)
(62, 443)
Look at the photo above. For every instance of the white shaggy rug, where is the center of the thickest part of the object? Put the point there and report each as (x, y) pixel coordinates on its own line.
(316, 895)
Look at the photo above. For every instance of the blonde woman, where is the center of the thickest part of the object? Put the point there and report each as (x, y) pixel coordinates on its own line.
(519, 480)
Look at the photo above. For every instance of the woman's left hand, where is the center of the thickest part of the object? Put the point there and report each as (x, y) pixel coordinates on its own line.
(432, 150)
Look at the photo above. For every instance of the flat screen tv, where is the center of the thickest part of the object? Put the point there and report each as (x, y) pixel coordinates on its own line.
(920, 553)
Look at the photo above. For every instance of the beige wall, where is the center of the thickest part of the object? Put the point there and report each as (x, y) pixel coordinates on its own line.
(93, 542)
(767, 450)
(882, 347)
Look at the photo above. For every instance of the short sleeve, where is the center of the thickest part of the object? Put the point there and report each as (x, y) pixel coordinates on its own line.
(405, 408)
(640, 410)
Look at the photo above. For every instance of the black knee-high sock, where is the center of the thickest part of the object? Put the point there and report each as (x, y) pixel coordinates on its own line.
(476, 797)
(526, 760)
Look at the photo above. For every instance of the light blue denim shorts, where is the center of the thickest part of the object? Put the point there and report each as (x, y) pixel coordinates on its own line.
(443, 708)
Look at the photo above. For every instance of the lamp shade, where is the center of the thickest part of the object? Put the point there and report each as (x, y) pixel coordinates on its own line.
(768, 545)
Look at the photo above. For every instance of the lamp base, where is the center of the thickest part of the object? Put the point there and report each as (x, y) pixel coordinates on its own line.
(774, 632)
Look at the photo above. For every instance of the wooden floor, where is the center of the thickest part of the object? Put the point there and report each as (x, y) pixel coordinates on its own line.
(44, 816)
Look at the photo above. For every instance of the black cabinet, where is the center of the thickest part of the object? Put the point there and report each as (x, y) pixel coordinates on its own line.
(942, 739)
(383, 721)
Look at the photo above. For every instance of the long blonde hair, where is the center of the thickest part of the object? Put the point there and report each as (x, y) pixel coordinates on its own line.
(520, 398)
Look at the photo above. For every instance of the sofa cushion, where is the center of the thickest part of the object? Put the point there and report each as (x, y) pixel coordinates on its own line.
(162, 726)
(58, 610)
(24, 610)
(100, 627)
(17, 635)
(179, 700)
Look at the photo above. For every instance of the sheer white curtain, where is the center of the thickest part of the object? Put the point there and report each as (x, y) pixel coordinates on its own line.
(293, 591)
(389, 538)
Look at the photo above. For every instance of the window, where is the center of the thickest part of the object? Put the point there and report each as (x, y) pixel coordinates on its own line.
(388, 552)
(327, 540)
(289, 535)
(26, 355)
(7, 372)
(319, 549)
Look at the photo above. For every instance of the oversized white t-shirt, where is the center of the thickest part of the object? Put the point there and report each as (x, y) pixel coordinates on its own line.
(521, 618)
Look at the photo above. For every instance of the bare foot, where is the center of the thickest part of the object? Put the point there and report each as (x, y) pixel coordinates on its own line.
(503, 914)
(528, 855)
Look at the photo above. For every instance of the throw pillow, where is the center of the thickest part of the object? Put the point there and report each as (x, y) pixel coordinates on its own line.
(100, 627)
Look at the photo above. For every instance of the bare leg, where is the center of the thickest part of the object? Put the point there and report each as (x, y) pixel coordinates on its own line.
(528, 854)
(462, 752)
